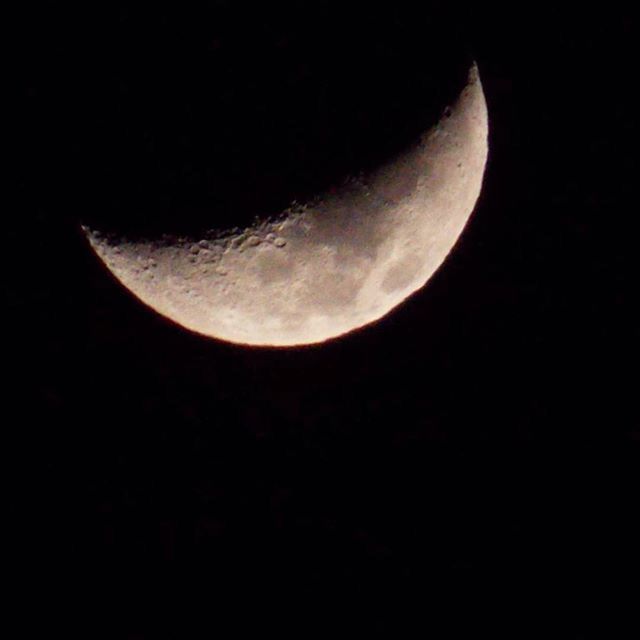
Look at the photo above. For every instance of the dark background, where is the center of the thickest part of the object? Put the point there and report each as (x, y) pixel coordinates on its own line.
(482, 432)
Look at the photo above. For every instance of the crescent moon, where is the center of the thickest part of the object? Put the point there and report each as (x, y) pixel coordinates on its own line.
(324, 267)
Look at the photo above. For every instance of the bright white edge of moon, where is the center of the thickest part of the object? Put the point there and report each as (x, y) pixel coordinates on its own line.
(328, 266)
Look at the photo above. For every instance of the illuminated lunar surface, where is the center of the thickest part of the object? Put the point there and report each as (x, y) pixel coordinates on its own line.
(328, 266)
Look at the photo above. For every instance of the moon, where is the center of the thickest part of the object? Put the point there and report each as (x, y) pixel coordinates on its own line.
(328, 266)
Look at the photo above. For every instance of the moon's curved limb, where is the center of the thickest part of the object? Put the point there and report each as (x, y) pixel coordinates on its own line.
(328, 266)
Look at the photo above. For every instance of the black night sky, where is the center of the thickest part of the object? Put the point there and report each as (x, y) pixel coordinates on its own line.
(482, 432)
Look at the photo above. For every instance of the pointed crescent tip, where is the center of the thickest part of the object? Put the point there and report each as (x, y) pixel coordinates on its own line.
(474, 74)
(474, 86)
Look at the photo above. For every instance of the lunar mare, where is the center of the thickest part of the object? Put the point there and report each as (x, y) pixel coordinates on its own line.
(328, 266)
